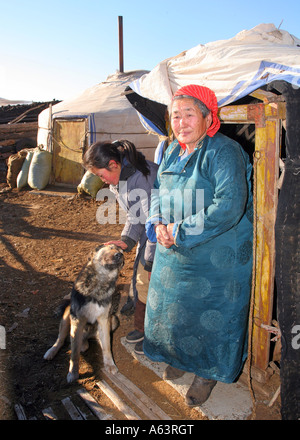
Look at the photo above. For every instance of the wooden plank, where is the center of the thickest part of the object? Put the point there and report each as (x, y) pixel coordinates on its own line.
(20, 412)
(234, 114)
(72, 410)
(140, 399)
(132, 396)
(23, 115)
(17, 131)
(49, 414)
(275, 397)
(117, 401)
(267, 171)
(93, 405)
(266, 96)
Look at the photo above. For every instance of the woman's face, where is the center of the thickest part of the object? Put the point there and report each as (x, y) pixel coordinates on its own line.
(188, 123)
(110, 175)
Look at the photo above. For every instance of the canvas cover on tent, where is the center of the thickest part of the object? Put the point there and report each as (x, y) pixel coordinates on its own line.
(231, 68)
(98, 114)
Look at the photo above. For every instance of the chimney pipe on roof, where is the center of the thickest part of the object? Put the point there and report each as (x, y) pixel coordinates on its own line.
(121, 60)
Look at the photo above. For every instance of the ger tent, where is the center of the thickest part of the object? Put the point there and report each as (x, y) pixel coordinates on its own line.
(231, 68)
(100, 113)
(256, 78)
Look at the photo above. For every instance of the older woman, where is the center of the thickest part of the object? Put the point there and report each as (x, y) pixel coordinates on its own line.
(201, 217)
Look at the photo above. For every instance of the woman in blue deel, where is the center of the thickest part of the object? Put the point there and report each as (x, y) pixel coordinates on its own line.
(201, 217)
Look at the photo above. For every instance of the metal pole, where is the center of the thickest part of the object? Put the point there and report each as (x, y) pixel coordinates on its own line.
(121, 59)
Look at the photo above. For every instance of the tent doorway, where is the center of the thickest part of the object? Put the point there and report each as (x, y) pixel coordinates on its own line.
(69, 144)
(262, 123)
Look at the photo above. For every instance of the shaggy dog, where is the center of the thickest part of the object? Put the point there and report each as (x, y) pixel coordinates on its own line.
(89, 308)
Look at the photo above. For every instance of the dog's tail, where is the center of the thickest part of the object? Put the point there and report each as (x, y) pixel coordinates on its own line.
(60, 310)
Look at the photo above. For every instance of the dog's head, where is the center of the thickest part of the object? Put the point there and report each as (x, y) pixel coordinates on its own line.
(109, 256)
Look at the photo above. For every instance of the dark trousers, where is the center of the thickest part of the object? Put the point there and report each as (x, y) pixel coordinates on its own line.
(139, 316)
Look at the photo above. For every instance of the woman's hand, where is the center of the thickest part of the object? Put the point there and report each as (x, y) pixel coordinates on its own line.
(119, 243)
(164, 235)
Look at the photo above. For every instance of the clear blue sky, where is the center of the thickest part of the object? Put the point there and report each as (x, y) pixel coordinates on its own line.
(58, 48)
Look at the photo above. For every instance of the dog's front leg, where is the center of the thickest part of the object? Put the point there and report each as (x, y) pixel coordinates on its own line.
(104, 337)
(77, 327)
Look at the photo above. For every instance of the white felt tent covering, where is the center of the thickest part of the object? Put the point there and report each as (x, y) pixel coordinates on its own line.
(110, 115)
(232, 68)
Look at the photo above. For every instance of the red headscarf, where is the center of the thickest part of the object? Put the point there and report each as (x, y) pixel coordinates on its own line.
(208, 97)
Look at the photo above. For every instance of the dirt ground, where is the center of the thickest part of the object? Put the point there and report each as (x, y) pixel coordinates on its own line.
(45, 242)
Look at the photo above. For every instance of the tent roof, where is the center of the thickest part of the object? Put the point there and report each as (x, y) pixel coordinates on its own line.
(109, 113)
(105, 97)
(232, 68)
(104, 103)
